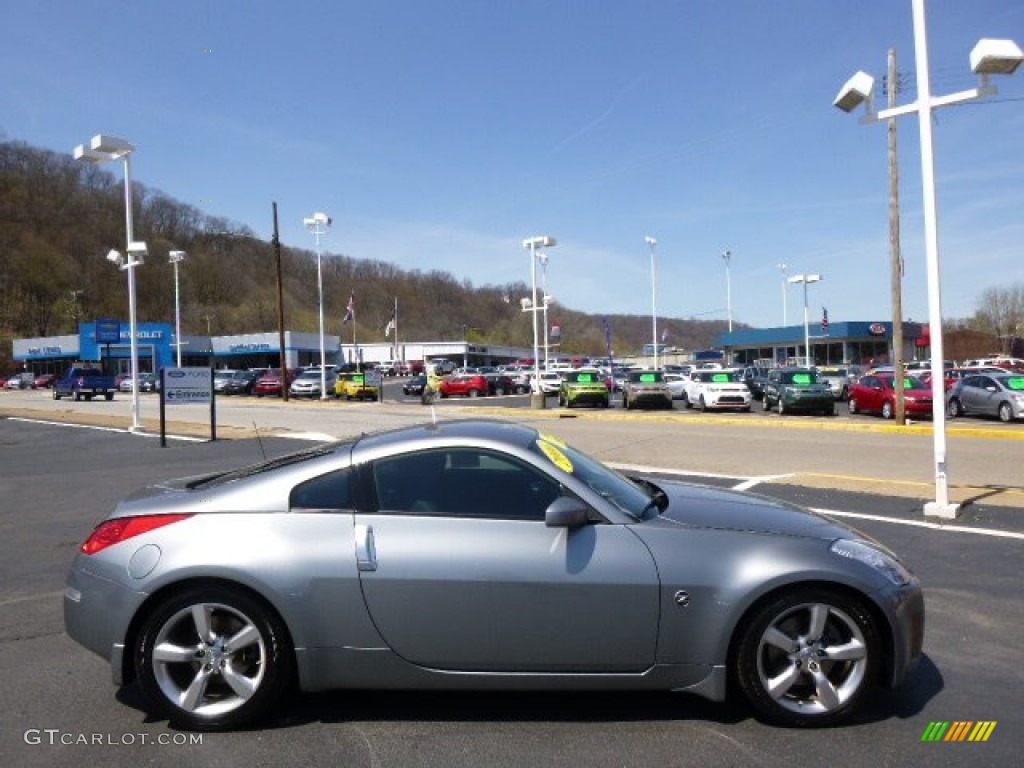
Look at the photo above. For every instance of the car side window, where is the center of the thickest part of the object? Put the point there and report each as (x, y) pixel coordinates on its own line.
(326, 492)
(463, 482)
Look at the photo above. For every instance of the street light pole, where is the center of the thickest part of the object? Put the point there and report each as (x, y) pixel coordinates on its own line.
(727, 257)
(318, 224)
(651, 242)
(785, 314)
(103, 149)
(806, 279)
(988, 57)
(532, 244)
(176, 257)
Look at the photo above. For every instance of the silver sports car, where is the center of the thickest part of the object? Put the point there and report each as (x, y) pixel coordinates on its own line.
(480, 555)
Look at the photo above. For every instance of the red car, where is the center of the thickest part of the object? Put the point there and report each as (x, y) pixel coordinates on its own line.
(874, 393)
(44, 381)
(270, 382)
(467, 385)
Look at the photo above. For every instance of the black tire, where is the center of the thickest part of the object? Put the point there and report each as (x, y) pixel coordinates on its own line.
(77, 396)
(108, 396)
(818, 690)
(473, 393)
(851, 406)
(888, 411)
(780, 407)
(56, 395)
(954, 408)
(766, 404)
(701, 405)
(262, 668)
(1005, 412)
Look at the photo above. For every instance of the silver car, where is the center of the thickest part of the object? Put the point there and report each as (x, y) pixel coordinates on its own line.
(989, 394)
(307, 384)
(481, 554)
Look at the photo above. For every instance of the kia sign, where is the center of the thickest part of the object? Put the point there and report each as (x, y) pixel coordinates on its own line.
(876, 329)
(184, 386)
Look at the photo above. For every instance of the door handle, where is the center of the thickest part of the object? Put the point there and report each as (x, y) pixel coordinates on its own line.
(366, 553)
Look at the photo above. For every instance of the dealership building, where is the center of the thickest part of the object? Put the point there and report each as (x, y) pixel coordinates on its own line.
(157, 349)
(859, 342)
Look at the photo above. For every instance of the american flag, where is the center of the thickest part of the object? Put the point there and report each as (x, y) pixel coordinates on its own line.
(351, 308)
(824, 320)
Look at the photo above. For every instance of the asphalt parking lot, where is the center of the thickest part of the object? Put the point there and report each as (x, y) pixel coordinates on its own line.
(59, 481)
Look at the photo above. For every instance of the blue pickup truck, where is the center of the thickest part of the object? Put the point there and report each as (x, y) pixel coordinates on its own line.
(79, 382)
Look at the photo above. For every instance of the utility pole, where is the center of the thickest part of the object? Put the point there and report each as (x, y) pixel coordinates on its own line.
(894, 249)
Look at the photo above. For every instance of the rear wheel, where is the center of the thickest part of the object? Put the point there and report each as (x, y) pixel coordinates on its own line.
(213, 658)
(808, 658)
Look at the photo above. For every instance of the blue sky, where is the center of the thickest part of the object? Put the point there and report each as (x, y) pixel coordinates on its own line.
(439, 134)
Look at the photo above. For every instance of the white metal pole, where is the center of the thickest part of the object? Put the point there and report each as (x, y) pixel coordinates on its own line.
(533, 313)
(941, 506)
(544, 289)
(320, 294)
(132, 322)
(651, 242)
(728, 287)
(807, 329)
(177, 314)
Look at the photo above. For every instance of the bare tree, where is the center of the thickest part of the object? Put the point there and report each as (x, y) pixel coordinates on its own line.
(1001, 313)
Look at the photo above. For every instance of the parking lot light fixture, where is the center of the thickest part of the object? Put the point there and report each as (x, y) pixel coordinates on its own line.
(651, 243)
(104, 149)
(533, 245)
(989, 57)
(806, 280)
(175, 258)
(318, 224)
(727, 258)
(783, 268)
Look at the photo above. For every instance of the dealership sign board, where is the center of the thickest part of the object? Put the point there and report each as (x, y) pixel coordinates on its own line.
(186, 386)
(183, 386)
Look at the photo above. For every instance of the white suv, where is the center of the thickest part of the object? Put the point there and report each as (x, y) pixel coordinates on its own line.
(717, 389)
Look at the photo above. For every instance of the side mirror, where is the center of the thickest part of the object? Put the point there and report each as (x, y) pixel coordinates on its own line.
(566, 512)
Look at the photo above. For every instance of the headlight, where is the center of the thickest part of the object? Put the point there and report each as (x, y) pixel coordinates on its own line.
(888, 566)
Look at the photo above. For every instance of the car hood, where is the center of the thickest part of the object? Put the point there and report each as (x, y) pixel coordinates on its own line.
(700, 506)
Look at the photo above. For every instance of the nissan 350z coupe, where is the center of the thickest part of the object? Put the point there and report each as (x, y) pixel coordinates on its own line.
(483, 555)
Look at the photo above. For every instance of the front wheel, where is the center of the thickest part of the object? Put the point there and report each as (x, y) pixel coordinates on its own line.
(955, 409)
(851, 406)
(887, 410)
(1005, 412)
(108, 396)
(56, 395)
(808, 658)
(213, 658)
(781, 406)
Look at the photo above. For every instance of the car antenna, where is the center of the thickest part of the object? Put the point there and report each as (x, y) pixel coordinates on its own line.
(259, 440)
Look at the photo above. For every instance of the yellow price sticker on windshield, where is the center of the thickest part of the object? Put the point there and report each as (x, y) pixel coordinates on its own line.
(558, 458)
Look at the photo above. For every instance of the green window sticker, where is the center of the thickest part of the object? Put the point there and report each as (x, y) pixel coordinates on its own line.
(649, 378)
(720, 378)
(1016, 383)
(802, 379)
(585, 378)
(357, 379)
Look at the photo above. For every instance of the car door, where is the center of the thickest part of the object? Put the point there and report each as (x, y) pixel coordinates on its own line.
(985, 396)
(460, 572)
(972, 394)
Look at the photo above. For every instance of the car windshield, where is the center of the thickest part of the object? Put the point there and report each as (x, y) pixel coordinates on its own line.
(718, 377)
(618, 489)
(800, 378)
(646, 377)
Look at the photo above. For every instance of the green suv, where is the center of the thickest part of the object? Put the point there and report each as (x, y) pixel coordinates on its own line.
(797, 389)
(582, 386)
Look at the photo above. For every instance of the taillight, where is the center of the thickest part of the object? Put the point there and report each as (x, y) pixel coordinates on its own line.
(112, 532)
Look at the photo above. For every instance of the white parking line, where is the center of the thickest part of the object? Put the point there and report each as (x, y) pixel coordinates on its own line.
(97, 428)
(924, 524)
